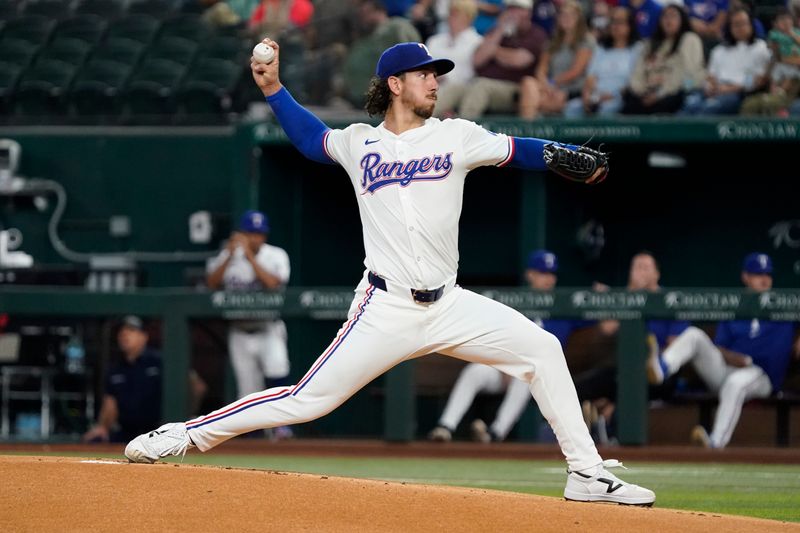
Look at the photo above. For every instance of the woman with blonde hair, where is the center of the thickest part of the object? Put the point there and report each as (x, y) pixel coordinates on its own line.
(561, 69)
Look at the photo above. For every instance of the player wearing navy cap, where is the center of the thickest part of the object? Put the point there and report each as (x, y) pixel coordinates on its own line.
(408, 174)
(747, 358)
(257, 348)
(476, 378)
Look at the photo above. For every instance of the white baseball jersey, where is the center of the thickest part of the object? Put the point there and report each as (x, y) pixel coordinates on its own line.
(240, 276)
(410, 226)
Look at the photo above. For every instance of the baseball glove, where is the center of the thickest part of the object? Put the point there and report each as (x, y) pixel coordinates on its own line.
(583, 164)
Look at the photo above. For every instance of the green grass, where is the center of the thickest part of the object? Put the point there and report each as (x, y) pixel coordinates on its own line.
(763, 491)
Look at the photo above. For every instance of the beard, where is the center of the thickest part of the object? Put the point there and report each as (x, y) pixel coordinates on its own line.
(424, 112)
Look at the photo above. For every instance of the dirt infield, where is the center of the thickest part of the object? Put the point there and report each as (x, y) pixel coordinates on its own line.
(80, 494)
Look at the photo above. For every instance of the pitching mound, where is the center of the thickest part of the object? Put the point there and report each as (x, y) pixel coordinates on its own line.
(79, 494)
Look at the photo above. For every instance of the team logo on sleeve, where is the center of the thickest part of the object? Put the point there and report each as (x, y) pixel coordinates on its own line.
(378, 173)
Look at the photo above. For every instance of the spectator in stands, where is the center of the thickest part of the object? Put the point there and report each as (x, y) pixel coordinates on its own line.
(747, 358)
(599, 18)
(378, 31)
(272, 18)
(544, 15)
(671, 62)
(476, 378)
(597, 387)
(561, 70)
(784, 39)
(647, 13)
(132, 400)
(737, 66)
(329, 35)
(610, 69)
(784, 78)
(507, 53)
(707, 19)
(257, 347)
(458, 42)
(488, 12)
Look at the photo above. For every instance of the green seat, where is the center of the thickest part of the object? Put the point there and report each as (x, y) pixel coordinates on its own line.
(209, 87)
(154, 8)
(66, 49)
(119, 49)
(89, 28)
(98, 87)
(151, 90)
(8, 9)
(136, 27)
(9, 76)
(108, 9)
(228, 47)
(17, 52)
(189, 26)
(176, 49)
(52, 9)
(42, 89)
(34, 29)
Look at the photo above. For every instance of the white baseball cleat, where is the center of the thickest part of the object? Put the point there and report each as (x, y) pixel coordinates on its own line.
(480, 431)
(603, 486)
(169, 439)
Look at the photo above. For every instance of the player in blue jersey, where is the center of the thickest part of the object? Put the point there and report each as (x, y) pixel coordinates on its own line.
(747, 358)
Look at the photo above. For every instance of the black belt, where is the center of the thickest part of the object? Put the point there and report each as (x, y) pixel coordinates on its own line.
(421, 296)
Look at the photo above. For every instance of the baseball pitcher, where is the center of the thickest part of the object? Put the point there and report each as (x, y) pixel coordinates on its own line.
(408, 176)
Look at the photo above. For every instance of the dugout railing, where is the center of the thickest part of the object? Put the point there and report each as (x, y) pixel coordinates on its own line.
(176, 307)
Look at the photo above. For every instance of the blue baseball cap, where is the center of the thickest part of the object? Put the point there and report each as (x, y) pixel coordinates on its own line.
(757, 263)
(543, 261)
(254, 222)
(409, 56)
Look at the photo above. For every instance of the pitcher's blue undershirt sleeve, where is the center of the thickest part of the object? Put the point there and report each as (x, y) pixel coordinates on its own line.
(528, 152)
(304, 129)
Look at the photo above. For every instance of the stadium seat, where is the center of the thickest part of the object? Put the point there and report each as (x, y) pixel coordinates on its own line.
(154, 8)
(34, 29)
(43, 87)
(89, 28)
(108, 9)
(176, 49)
(151, 90)
(9, 76)
(52, 9)
(209, 87)
(8, 9)
(119, 49)
(98, 86)
(187, 25)
(137, 27)
(228, 47)
(17, 52)
(66, 49)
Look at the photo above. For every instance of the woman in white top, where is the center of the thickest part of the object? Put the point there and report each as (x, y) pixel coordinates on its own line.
(737, 66)
(458, 42)
(610, 68)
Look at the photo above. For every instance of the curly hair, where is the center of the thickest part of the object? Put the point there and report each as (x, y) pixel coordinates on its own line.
(378, 97)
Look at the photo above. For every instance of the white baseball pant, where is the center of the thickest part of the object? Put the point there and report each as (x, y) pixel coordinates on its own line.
(258, 355)
(387, 328)
(733, 384)
(476, 378)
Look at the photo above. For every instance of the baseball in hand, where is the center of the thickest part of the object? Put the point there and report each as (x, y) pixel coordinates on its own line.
(263, 53)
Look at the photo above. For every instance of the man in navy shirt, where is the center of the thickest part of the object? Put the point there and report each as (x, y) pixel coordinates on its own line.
(747, 358)
(476, 378)
(132, 400)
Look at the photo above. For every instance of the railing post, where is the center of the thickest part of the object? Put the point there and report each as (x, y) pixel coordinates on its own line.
(175, 365)
(400, 403)
(632, 396)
